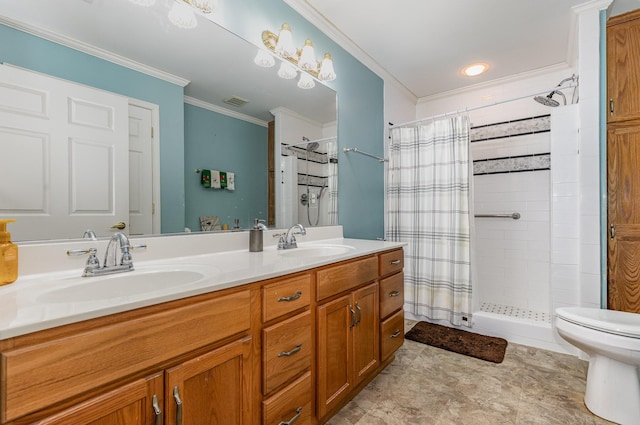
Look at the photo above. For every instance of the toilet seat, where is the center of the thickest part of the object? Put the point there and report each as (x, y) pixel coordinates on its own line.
(609, 321)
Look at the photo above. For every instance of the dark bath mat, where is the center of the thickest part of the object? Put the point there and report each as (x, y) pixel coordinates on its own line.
(482, 347)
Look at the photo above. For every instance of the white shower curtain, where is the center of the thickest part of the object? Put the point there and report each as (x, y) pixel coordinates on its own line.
(428, 199)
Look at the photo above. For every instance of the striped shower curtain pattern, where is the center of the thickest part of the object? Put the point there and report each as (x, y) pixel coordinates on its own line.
(428, 196)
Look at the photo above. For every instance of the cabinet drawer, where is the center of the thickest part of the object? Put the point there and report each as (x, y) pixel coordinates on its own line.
(391, 262)
(293, 400)
(337, 279)
(38, 376)
(286, 350)
(391, 294)
(392, 334)
(285, 296)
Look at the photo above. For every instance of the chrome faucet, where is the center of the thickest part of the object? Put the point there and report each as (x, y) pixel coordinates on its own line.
(110, 264)
(288, 240)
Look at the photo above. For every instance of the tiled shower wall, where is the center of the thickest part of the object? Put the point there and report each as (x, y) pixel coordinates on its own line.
(511, 174)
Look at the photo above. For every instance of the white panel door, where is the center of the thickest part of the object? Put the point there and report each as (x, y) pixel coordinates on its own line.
(140, 171)
(64, 163)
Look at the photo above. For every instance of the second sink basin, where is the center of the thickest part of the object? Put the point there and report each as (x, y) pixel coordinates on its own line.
(119, 285)
(316, 251)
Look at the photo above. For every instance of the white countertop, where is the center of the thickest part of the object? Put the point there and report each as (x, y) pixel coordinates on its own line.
(38, 301)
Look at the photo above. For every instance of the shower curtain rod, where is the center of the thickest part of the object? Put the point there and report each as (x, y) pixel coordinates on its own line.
(486, 105)
(305, 141)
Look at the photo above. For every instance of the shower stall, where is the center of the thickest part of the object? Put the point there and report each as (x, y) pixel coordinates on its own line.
(525, 244)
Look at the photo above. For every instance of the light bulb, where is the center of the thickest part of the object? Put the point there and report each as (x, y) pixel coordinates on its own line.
(181, 15)
(326, 69)
(264, 59)
(306, 82)
(307, 60)
(287, 71)
(284, 46)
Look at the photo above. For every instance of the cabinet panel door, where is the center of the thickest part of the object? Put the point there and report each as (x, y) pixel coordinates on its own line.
(131, 404)
(623, 67)
(623, 198)
(211, 389)
(334, 352)
(366, 348)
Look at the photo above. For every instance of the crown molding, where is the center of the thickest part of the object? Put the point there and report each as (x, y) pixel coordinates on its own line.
(497, 82)
(323, 24)
(591, 5)
(224, 111)
(93, 51)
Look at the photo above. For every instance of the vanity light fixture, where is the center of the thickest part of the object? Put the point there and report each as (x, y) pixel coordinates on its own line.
(304, 59)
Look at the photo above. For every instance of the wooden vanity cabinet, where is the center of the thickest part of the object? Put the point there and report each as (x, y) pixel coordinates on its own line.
(348, 330)
(288, 351)
(114, 369)
(292, 349)
(391, 302)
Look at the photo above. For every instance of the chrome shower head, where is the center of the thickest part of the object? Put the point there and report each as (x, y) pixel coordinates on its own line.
(312, 146)
(548, 100)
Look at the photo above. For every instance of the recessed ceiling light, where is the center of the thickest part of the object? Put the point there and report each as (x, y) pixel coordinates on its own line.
(475, 69)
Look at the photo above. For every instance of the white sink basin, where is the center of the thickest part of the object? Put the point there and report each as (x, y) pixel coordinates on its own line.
(316, 251)
(119, 285)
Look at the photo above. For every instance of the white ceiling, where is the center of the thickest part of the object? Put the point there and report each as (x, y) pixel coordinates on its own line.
(425, 44)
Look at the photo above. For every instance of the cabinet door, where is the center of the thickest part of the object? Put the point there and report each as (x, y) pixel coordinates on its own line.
(211, 389)
(366, 340)
(623, 198)
(334, 352)
(623, 67)
(131, 404)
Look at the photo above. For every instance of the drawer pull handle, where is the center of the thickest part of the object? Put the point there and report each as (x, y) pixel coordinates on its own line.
(394, 294)
(176, 396)
(359, 314)
(395, 262)
(295, 418)
(395, 334)
(292, 352)
(156, 410)
(291, 297)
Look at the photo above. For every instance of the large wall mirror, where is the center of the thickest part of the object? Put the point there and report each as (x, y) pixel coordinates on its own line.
(183, 77)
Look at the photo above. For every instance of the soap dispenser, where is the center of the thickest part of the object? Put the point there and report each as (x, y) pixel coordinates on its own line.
(255, 236)
(8, 255)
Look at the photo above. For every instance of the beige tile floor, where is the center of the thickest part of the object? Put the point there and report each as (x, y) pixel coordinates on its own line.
(427, 385)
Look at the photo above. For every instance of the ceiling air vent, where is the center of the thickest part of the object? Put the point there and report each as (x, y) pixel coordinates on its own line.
(235, 101)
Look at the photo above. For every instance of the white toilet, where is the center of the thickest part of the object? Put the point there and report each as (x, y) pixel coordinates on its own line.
(612, 341)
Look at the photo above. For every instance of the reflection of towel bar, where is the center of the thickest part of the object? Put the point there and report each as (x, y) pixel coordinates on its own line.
(356, 150)
(514, 215)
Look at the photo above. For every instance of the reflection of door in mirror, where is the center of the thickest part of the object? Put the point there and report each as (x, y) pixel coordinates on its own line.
(61, 135)
(143, 187)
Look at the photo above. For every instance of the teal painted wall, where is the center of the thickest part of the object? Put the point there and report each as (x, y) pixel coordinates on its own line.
(360, 111)
(222, 143)
(27, 51)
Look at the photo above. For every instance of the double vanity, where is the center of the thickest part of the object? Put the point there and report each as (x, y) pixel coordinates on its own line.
(201, 332)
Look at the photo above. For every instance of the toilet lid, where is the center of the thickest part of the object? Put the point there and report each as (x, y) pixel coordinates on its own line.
(611, 321)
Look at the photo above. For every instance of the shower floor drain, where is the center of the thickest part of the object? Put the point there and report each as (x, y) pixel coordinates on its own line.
(520, 313)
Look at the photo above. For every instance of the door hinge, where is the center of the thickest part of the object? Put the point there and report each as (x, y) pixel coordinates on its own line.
(152, 132)
(153, 208)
